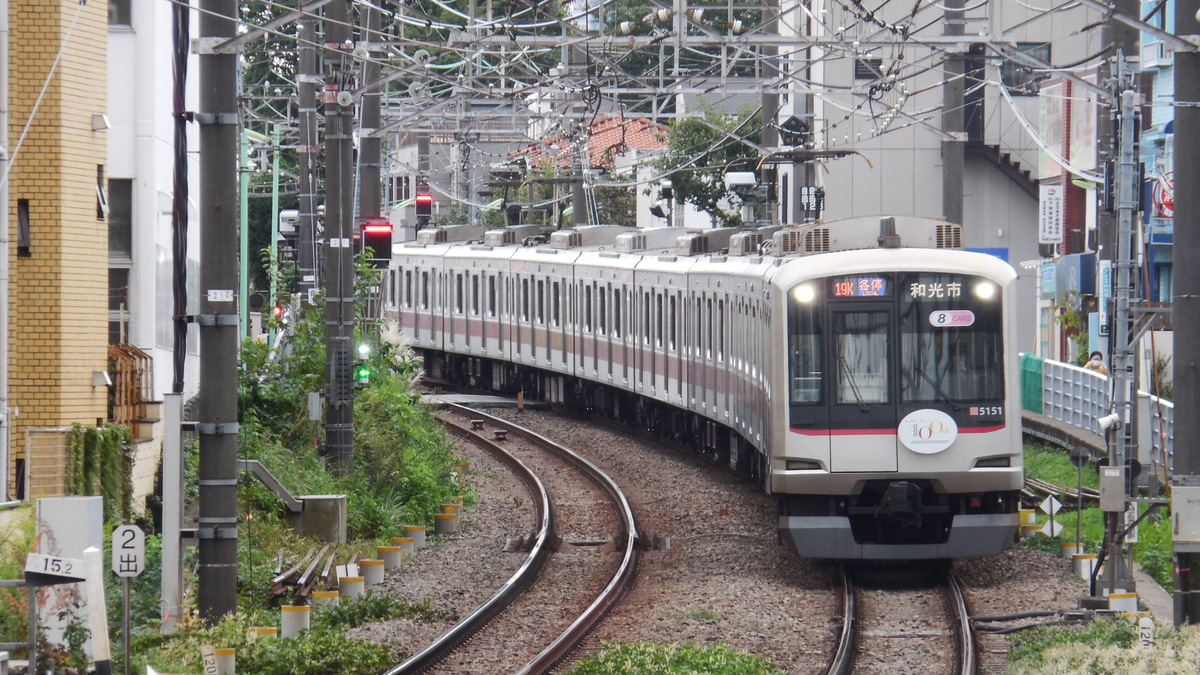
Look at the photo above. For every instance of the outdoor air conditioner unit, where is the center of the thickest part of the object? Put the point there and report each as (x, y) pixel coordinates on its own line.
(1155, 55)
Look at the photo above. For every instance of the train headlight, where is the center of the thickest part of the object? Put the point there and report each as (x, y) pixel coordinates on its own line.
(804, 293)
(985, 290)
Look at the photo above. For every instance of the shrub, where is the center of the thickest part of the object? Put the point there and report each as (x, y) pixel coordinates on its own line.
(1104, 646)
(648, 658)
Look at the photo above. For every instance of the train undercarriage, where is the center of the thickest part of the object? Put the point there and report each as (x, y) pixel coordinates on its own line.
(899, 519)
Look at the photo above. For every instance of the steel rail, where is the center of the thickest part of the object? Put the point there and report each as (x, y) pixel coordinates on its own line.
(962, 620)
(621, 581)
(843, 657)
(521, 580)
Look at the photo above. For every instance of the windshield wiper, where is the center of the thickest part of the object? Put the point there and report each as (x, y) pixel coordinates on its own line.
(937, 387)
(862, 405)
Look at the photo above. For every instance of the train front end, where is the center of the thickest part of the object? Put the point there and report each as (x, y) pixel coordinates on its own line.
(897, 432)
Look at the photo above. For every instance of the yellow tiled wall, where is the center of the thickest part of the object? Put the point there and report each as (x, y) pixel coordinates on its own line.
(58, 295)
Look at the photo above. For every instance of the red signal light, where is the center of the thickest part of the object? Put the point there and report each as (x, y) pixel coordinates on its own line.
(277, 311)
(424, 202)
(377, 236)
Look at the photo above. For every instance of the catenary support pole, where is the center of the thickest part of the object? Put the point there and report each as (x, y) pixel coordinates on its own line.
(339, 276)
(274, 276)
(1186, 298)
(244, 233)
(953, 117)
(369, 201)
(218, 318)
(307, 151)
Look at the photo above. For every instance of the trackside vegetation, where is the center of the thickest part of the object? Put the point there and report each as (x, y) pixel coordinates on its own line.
(648, 658)
(1108, 645)
(404, 471)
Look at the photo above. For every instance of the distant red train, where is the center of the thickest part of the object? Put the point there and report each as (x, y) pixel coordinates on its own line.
(863, 371)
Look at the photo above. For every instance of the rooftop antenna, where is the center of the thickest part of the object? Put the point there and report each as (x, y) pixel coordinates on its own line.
(887, 233)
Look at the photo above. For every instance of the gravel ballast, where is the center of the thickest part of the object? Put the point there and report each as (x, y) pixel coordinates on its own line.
(717, 576)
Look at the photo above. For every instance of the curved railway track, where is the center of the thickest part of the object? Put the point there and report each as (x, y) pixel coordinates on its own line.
(485, 634)
(903, 622)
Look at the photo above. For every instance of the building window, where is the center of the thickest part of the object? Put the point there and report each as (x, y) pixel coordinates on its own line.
(101, 194)
(118, 304)
(1020, 79)
(120, 218)
(23, 235)
(868, 69)
(120, 12)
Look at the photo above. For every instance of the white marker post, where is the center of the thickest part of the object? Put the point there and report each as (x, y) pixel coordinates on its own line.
(48, 570)
(128, 561)
(93, 563)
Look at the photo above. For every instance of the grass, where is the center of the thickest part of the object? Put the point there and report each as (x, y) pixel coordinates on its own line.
(645, 658)
(1153, 551)
(1107, 645)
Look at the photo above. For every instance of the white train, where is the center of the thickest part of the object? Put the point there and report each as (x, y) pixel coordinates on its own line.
(863, 371)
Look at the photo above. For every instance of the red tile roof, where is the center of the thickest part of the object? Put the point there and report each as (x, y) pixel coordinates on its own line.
(608, 137)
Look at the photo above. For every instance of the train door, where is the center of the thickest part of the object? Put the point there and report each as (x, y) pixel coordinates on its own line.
(495, 338)
(505, 314)
(591, 331)
(476, 342)
(604, 346)
(862, 407)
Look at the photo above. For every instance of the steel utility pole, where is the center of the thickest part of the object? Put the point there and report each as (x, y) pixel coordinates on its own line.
(307, 149)
(218, 318)
(369, 199)
(953, 118)
(1122, 40)
(1118, 571)
(1186, 302)
(339, 216)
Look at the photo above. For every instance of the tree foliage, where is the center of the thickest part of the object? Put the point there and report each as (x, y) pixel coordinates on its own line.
(700, 154)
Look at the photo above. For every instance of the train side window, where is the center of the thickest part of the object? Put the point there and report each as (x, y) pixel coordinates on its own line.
(555, 304)
(601, 310)
(646, 319)
(541, 302)
(424, 290)
(617, 313)
(525, 300)
(721, 331)
(708, 314)
(492, 295)
(658, 320)
(408, 283)
(754, 328)
(671, 341)
(587, 309)
(739, 335)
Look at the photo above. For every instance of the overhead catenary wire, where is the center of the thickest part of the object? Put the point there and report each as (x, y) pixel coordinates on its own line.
(907, 29)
